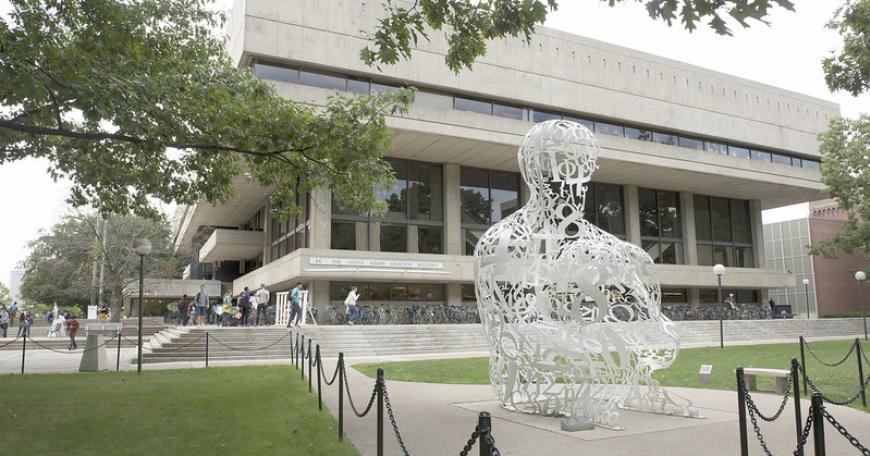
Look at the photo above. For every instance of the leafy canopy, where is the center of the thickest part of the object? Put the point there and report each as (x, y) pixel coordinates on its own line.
(849, 69)
(469, 24)
(137, 100)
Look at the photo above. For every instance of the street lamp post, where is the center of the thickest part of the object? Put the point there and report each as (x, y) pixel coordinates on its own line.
(860, 276)
(719, 271)
(143, 248)
(806, 283)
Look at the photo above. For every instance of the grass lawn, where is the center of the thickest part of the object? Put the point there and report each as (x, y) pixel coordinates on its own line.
(262, 410)
(838, 383)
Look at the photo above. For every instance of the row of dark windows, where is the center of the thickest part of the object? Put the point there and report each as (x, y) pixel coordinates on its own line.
(386, 292)
(364, 86)
(669, 295)
(290, 233)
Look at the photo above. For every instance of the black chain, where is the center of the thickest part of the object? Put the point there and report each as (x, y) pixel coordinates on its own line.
(754, 421)
(816, 356)
(842, 430)
(185, 345)
(319, 362)
(71, 352)
(393, 420)
(827, 399)
(493, 451)
(864, 355)
(350, 399)
(802, 441)
(250, 349)
(11, 341)
(471, 441)
(751, 404)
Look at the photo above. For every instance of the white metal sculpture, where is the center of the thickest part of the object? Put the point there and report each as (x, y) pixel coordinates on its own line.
(572, 313)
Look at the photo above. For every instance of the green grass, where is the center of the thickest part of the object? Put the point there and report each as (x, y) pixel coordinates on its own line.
(837, 383)
(263, 410)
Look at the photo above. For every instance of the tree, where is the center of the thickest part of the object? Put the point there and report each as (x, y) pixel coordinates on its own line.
(137, 99)
(59, 267)
(845, 150)
(5, 295)
(849, 69)
(469, 24)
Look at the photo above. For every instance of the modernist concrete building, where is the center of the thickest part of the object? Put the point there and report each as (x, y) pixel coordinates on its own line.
(689, 159)
(832, 287)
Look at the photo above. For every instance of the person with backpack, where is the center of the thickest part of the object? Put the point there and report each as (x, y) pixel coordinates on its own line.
(295, 305)
(201, 302)
(25, 321)
(183, 309)
(262, 304)
(72, 327)
(245, 306)
(4, 320)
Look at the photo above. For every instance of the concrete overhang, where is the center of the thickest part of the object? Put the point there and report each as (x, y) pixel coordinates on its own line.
(173, 288)
(670, 275)
(224, 244)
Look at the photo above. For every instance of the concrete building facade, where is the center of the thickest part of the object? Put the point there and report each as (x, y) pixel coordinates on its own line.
(832, 288)
(689, 158)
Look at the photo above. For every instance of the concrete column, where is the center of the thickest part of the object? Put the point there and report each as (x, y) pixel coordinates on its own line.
(759, 256)
(413, 245)
(267, 232)
(361, 229)
(452, 210)
(694, 297)
(320, 217)
(453, 294)
(375, 236)
(318, 295)
(632, 214)
(690, 239)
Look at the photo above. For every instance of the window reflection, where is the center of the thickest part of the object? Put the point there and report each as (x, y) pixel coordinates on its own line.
(609, 129)
(660, 225)
(739, 152)
(729, 223)
(665, 138)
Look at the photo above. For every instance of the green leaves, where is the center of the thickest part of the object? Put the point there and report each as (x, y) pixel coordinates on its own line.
(469, 24)
(136, 100)
(849, 69)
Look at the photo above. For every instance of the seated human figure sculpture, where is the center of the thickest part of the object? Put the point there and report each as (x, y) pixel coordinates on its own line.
(572, 313)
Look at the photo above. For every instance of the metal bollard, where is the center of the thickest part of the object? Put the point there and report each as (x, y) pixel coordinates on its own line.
(296, 352)
(206, 349)
(860, 371)
(291, 346)
(484, 422)
(818, 425)
(118, 358)
(310, 364)
(798, 421)
(341, 397)
(804, 364)
(319, 395)
(380, 391)
(741, 414)
(23, 350)
(302, 359)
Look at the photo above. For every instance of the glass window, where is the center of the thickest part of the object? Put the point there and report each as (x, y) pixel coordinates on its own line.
(723, 255)
(796, 162)
(474, 195)
(325, 81)
(671, 251)
(740, 220)
(739, 152)
(511, 112)
(609, 129)
(703, 230)
(543, 116)
(393, 238)
(398, 292)
(433, 100)
(669, 214)
(691, 143)
(810, 164)
(665, 138)
(396, 196)
(504, 194)
(705, 255)
(635, 133)
(718, 148)
(585, 122)
(377, 89)
(428, 239)
(468, 292)
(745, 257)
(760, 155)
(721, 220)
(674, 295)
(649, 224)
(609, 212)
(652, 249)
(276, 73)
(343, 236)
(470, 240)
(374, 291)
(424, 191)
(468, 104)
(781, 159)
(358, 86)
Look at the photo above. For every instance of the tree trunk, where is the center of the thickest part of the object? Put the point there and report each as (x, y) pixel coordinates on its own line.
(117, 299)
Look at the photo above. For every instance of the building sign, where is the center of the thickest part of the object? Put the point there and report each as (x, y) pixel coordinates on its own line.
(368, 263)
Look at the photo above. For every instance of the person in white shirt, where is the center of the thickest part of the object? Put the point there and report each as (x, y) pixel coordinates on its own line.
(254, 306)
(263, 303)
(350, 302)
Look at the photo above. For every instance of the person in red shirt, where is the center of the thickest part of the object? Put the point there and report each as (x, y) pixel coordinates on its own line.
(72, 327)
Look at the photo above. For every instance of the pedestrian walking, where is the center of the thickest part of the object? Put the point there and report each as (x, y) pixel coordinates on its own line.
(229, 313)
(13, 310)
(254, 305)
(201, 302)
(183, 309)
(72, 327)
(193, 312)
(263, 304)
(4, 320)
(350, 302)
(245, 306)
(295, 306)
(25, 321)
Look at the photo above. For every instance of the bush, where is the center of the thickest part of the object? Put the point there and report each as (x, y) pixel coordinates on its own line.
(846, 315)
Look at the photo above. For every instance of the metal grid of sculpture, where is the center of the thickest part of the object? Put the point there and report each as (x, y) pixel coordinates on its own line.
(571, 313)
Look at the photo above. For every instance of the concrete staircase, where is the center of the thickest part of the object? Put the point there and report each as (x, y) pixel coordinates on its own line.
(39, 333)
(705, 333)
(388, 340)
(189, 344)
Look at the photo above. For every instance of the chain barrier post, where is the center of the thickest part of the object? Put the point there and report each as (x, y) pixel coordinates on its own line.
(118, 357)
(23, 350)
(206, 349)
(797, 403)
(484, 423)
(310, 363)
(341, 397)
(741, 413)
(291, 347)
(380, 389)
(302, 359)
(296, 352)
(860, 372)
(804, 364)
(818, 425)
(319, 394)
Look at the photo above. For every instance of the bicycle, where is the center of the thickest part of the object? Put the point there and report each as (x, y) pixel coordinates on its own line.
(335, 317)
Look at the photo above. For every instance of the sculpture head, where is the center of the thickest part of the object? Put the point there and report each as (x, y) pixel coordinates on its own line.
(558, 153)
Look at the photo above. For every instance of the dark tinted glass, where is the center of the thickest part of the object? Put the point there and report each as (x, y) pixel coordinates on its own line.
(542, 116)
(653, 249)
(740, 220)
(358, 86)
(470, 238)
(433, 100)
(343, 236)
(585, 122)
(474, 194)
(811, 164)
(609, 210)
(424, 191)
(718, 148)
(723, 255)
(672, 252)
(276, 73)
(760, 155)
(642, 135)
(609, 129)
(674, 295)
(649, 224)
(782, 159)
(705, 255)
(691, 143)
(393, 238)
(396, 197)
(467, 104)
(721, 219)
(325, 81)
(429, 239)
(702, 218)
(744, 257)
(669, 214)
(505, 194)
(665, 138)
(377, 89)
(796, 162)
(511, 112)
(739, 152)
(468, 292)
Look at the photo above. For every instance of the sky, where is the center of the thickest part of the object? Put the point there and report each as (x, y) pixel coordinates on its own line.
(786, 54)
